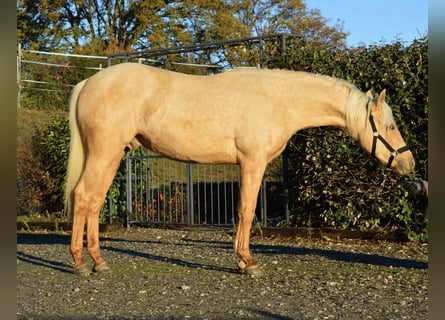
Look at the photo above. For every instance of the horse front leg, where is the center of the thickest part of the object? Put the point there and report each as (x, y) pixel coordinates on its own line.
(251, 175)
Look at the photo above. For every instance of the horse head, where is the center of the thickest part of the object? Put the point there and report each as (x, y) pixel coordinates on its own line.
(381, 137)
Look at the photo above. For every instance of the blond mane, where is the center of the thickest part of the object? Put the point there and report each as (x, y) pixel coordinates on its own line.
(357, 112)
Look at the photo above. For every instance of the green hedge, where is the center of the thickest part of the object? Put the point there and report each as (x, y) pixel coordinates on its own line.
(335, 183)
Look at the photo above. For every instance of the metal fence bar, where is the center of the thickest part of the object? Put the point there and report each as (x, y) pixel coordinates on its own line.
(263, 204)
(129, 188)
(147, 188)
(190, 210)
(218, 194)
(162, 196)
(211, 195)
(225, 195)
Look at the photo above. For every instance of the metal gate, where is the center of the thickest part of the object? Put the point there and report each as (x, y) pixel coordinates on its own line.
(163, 191)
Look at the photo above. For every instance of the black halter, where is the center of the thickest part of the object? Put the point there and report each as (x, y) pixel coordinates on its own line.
(377, 136)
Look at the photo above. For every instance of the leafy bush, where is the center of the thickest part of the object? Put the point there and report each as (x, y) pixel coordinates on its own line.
(42, 174)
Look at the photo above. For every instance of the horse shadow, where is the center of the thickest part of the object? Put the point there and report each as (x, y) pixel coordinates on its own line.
(334, 255)
(43, 239)
(38, 261)
(347, 257)
(173, 261)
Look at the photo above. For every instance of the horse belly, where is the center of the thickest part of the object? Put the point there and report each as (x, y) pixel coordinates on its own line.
(181, 147)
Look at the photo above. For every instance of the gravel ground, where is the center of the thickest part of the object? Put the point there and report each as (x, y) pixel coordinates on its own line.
(192, 274)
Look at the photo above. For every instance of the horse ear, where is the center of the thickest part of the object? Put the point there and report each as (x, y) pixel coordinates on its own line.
(381, 98)
(380, 101)
(369, 94)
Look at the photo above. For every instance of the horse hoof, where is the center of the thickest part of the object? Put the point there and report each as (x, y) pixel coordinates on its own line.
(253, 271)
(82, 270)
(101, 268)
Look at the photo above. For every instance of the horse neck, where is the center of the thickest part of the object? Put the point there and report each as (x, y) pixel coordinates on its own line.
(320, 103)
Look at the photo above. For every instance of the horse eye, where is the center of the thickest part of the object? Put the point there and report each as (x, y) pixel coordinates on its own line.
(390, 127)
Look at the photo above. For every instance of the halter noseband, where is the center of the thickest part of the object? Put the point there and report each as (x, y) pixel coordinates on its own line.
(377, 136)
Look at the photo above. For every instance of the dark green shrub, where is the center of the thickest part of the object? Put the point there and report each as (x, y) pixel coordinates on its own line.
(334, 182)
(42, 174)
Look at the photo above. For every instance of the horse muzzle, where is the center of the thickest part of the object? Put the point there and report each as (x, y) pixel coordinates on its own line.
(403, 164)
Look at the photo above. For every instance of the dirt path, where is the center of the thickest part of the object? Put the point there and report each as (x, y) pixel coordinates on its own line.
(192, 274)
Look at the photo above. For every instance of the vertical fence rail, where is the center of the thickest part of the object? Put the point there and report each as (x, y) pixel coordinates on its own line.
(190, 206)
(129, 189)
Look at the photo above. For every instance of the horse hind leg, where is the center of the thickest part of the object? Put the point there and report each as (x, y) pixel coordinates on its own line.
(89, 196)
(76, 246)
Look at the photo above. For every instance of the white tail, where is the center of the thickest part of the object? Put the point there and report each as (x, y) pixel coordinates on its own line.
(76, 157)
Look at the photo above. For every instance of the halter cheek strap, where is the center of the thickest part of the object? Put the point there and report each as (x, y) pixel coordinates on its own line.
(377, 136)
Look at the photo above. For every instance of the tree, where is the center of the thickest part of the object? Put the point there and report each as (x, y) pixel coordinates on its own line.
(289, 16)
(98, 26)
(110, 26)
(35, 25)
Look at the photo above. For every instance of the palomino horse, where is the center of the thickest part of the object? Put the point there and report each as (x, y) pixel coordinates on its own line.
(242, 117)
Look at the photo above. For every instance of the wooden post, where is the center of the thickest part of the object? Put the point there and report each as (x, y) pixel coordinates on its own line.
(19, 74)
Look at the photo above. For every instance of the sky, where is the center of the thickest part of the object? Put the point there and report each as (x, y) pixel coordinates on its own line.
(373, 21)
